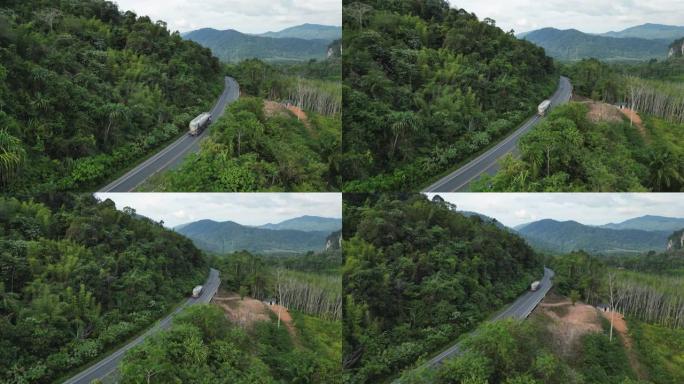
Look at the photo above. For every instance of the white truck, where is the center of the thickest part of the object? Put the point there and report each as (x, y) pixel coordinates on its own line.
(534, 286)
(200, 122)
(543, 107)
(197, 291)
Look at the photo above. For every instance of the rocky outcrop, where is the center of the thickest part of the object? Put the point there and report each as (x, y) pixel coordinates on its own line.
(676, 49)
(334, 241)
(334, 49)
(676, 241)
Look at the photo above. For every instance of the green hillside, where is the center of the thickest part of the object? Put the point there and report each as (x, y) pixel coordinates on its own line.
(568, 236)
(87, 89)
(233, 46)
(572, 45)
(228, 236)
(427, 87)
(418, 275)
(79, 277)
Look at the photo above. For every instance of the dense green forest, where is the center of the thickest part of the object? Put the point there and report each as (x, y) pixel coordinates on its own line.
(426, 87)
(78, 277)
(86, 90)
(203, 346)
(416, 276)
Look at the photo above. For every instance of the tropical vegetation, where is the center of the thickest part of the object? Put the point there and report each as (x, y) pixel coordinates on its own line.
(78, 277)
(87, 90)
(426, 87)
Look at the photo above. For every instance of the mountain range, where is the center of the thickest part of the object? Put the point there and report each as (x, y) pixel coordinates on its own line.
(307, 224)
(567, 236)
(309, 32)
(649, 223)
(300, 43)
(642, 42)
(229, 236)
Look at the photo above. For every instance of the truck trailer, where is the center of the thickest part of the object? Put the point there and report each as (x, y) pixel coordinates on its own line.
(197, 291)
(543, 107)
(200, 122)
(534, 286)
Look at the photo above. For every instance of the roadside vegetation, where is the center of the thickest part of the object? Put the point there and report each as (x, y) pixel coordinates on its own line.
(283, 134)
(78, 277)
(87, 90)
(592, 146)
(427, 86)
(417, 275)
(275, 325)
(251, 150)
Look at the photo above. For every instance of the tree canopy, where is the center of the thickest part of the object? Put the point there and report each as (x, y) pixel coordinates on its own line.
(427, 86)
(87, 89)
(78, 276)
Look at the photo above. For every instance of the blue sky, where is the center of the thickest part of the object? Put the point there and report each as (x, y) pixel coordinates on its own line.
(593, 16)
(587, 208)
(249, 16)
(243, 208)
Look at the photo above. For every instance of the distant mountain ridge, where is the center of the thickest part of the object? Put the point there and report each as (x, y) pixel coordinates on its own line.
(572, 45)
(229, 236)
(650, 31)
(308, 32)
(307, 224)
(649, 223)
(567, 236)
(233, 46)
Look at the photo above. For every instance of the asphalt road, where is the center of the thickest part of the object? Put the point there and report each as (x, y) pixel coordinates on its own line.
(520, 309)
(171, 156)
(109, 364)
(488, 162)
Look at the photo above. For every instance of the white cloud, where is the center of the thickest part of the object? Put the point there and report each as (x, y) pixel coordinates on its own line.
(243, 208)
(249, 16)
(585, 15)
(588, 208)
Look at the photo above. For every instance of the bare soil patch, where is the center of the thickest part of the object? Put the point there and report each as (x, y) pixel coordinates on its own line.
(569, 322)
(273, 108)
(603, 112)
(243, 312)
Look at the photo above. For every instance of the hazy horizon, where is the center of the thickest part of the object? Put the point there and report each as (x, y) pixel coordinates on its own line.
(513, 209)
(250, 209)
(585, 15)
(248, 16)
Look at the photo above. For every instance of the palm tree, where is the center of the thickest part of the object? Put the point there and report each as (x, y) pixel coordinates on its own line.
(664, 170)
(12, 155)
(402, 122)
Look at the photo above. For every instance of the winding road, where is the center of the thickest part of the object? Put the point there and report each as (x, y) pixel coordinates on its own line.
(520, 309)
(488, 162)
(109, 364)
(174, 153)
